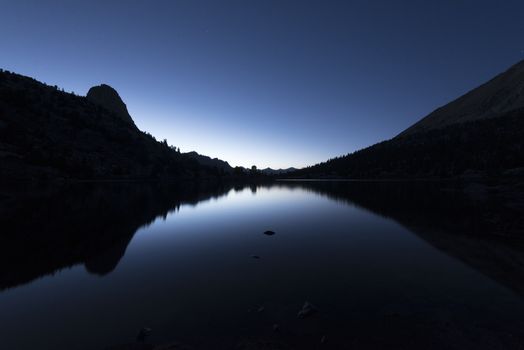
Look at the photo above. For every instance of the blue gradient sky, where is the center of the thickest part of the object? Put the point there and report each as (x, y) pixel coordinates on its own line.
(272, 83)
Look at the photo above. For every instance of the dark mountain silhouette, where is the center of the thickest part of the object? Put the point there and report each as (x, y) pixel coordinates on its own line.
(223, 167)
(107, 97)
(481, 134)
(219, 164)
(270, 171)
(47, 134)
(493, 99)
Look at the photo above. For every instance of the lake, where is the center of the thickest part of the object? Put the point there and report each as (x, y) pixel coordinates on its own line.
(383, 265)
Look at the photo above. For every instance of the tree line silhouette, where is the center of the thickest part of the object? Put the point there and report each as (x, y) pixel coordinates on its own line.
(489, 147)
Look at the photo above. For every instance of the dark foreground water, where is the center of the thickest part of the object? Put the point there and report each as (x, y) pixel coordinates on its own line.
(387, 265)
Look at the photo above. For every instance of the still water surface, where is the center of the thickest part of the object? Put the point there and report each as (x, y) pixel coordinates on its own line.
(380, 269)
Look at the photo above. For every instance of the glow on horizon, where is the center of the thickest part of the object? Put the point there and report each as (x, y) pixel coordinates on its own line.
(217, 139)
(206, 133)
(266, 83)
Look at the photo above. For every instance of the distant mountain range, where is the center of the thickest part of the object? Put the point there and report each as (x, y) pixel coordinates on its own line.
(224, 166)
(46, 133)
(479, 134)
(269, 171)
(49, 134)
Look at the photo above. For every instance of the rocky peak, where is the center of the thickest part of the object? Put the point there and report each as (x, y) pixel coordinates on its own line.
(107, 97)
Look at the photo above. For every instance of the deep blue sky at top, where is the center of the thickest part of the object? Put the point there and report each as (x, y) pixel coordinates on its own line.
(272, 83)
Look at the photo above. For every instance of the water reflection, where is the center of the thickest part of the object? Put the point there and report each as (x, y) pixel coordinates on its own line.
(481, 225)
(176, 257)
(45, 230)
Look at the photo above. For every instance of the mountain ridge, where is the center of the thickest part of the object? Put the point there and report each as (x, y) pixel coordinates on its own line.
(271, 171)
(48, 134)
(210, 162)
(501, 94)
(480, 134)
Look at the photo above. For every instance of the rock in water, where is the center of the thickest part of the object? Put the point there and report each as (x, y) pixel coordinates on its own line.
(269, 233)
(143, 334)
(307, 310)
(107, 97)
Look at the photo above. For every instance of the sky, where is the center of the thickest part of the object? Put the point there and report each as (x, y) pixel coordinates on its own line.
(261, 82)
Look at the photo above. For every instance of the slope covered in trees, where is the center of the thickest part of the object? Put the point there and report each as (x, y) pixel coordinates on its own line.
(490, 147)
(479, 134)
(46, 133)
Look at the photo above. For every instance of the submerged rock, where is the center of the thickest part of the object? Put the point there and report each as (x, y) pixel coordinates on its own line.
(307, 310)
(255, 256)
(143, 334)
(269, 233)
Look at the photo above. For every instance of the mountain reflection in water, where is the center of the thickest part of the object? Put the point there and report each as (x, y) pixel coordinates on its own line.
(46, 230)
